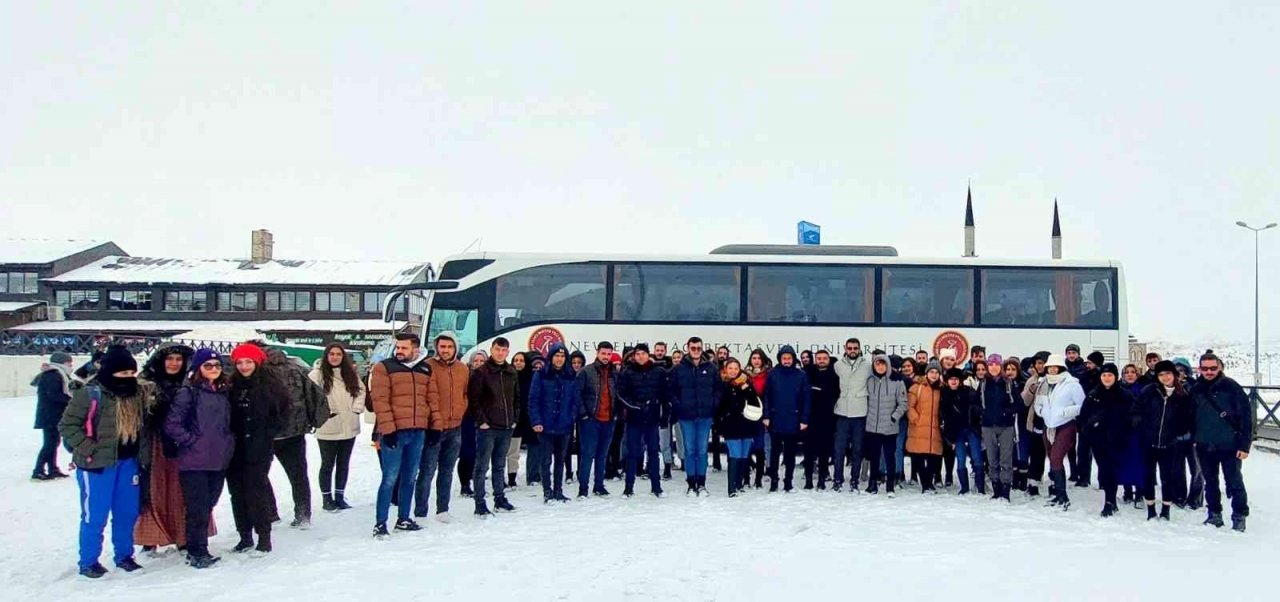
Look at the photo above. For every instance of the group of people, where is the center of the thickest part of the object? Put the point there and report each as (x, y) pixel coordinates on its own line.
(153, 449)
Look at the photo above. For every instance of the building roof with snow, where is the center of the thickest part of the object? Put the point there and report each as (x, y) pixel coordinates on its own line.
(155, 270)
(109, 326)
(40, 251)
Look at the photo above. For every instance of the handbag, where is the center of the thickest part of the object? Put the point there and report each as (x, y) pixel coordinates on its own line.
(753, 412)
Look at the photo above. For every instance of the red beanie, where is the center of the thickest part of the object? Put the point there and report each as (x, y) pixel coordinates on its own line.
(615, 359)
(249, 351)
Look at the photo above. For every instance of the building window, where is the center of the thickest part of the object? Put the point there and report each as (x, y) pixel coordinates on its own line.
(676, 293)
(934, 296)
(85, 300)
(339, 302)
(374, 302)
(287, 300)
(238, 301)
(19, 283)
(185, 301)
(129, 300)
(811, 294)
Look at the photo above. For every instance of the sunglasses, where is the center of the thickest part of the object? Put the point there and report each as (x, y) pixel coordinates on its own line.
(211, 366)
(694, 349)
(1210, 368)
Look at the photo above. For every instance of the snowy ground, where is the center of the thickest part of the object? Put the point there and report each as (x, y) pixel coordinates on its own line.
(798, 546)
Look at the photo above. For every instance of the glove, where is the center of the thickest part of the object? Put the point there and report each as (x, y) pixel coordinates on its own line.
(432, 438)
(389, 441)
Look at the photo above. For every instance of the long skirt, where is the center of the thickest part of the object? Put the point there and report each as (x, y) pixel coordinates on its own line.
(163, 519)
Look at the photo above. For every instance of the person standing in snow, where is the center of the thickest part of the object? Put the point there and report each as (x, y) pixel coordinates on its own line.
(577, 361)
(1058, 399)
(305, 409)
(103, 426)
(757, 370)
(492, 392)
(886, 405)
(1031, 447)
(1223, 434)
(54, 387)
(695, 393)
(467, 451)
(642, 391)
(199, 424)
(1108, 417)
(853, 369)
(553, 406)
(526, 364)
(787, 403)
(819, 439)
(256, 415)
(1167, 413)
(924, 435)
(398, 389)
(344, 392)
(447, 399)
(1001, 396)
(597, 386)
(960, 414)
(1089, 380)
(738, 414)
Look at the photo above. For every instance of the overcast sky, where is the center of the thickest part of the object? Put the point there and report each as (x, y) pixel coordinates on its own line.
(406, 131)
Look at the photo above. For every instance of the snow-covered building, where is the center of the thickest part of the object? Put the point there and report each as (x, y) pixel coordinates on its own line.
(25, 263)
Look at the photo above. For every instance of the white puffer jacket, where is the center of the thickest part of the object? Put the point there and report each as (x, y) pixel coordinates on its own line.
(346, 424)
(1061, 405)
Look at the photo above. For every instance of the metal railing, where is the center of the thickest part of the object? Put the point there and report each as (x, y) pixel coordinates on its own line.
(1266, 411)
(45, 343)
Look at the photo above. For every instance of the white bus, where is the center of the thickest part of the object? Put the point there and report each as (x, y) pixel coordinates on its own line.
(766, 296)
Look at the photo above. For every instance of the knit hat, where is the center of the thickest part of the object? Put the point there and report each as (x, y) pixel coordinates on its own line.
(204, 354)
(641, 347)
(1111, 368)
(60, 357)
(615, 359)
(247, 351)
(1073, 347)
(994, 359)
(948, 352)
(1096, 358)
(933, 365)
(1165, 366)
(117, 359)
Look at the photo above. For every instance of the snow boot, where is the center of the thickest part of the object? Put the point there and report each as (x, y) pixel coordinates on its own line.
(1164, 512)
(600, 491)
(340, 501)
(129, 565)
(503, 505)
(1215, 519)
(964, 482)
(202, 561)
(808, 482)
(666, 472)
(773, 485)
(1151, 511)
(1237, 524)
(1108, 509)
(628, 491)
(329, 505)
(511, 480)
(582, 491)
(482, 510)
(93, 571)
(982, 485)
(995, 490)
(1128, 495)
(1033, 490)
(264, 545)
(246, 543)
(1063, 500)
(733, 477)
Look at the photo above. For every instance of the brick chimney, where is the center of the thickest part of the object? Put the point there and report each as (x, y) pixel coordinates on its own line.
(261, 246)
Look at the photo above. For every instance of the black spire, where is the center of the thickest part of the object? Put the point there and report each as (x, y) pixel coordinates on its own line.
(968, 209)
(1057, 228)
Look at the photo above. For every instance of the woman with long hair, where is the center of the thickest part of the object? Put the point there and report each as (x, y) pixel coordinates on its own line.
(738, 415)
(163, 521)
(344, 391)
(256, 414)
(103, 426)
(924, 432)
(199, 425)
(757, 370)
(1107, 419)
(1167, 417)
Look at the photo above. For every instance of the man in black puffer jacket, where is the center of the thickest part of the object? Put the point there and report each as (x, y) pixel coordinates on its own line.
(819, 439)
(1223, 434)
(642, 391)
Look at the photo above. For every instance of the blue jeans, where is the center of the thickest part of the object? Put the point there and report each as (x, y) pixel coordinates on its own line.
(596, 437)
(111, 491)
(399, 463)
(739, 449)
(696, 434)
(492, 446)
(664, 444)
(441, 455)
(900, 454)
(643, 438)
(969, 446)
(849, 433)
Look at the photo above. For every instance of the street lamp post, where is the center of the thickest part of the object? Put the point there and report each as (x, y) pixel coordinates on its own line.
(1257, 357)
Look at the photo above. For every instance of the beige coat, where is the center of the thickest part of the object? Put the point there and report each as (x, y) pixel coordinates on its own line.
(346, 423)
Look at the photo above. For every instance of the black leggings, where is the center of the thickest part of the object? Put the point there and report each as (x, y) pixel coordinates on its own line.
(292, 454)
(251, 497)
(47, 460)
(1166, 458)
(928, 466)
(335, 454)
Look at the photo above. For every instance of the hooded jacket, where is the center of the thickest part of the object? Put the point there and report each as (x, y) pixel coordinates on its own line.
(199, 423)
(694, 390)
(89, 429)
(853, 386)
(553, 397)
(786, 396)
(1223, 416)
(167, 386)
(493, 391)
(1059, 405)
(447, 393)
(886, 400)
(1166, 419)
(642, 391)
(54, 386)
(344, 409)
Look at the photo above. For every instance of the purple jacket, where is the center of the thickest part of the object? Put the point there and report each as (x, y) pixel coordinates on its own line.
(200, 423)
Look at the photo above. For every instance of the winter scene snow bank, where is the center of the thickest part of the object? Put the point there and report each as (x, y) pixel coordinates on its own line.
(806, 545)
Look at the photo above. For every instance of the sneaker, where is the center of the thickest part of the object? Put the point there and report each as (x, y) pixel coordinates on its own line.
(1108, 510)
(94, 571)
(40, 476)
(890, 496)
(444, 518)
(379, 531)
(263, 548)
(838, 488)
(128, 565)
(330, 505)
(407, 524)
(202, 562)
(600, 492)
(341, 502)
(482, 510)
(303, 523)
(246, 544)
(1215, 519)
(873, 489)
(657, 492)
(560, 497)
(58, 474)
(628, 493)
(503, 505)
(582, 494)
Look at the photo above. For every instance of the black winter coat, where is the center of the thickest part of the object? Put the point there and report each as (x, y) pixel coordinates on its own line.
(53, 393)
(733, 399)
(1223, 415)
(695, 389)
(1109, 416)
(824, 386)
(1000, 402)
(642, 391)
(492, 394)
(960, 412)
(255, 418)
(1165, 420)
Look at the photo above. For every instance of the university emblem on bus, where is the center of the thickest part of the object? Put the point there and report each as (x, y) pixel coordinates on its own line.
(543, 338)
(952, 339)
